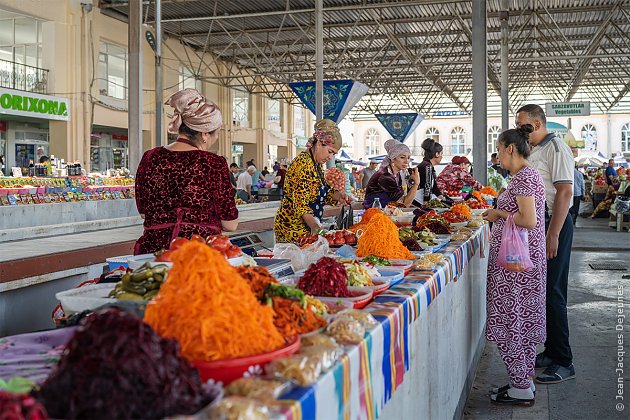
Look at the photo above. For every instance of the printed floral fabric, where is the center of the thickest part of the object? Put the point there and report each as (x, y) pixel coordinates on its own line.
(33, 355)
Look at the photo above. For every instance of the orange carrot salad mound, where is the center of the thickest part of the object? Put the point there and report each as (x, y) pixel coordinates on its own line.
(381, 239)
(210, 309)
(365, 219)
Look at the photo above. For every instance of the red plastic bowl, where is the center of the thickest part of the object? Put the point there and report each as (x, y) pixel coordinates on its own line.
(229, 370)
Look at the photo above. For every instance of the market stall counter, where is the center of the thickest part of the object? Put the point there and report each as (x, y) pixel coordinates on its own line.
(417, 361)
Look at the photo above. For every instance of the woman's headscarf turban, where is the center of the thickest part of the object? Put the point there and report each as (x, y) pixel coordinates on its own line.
(191, 108)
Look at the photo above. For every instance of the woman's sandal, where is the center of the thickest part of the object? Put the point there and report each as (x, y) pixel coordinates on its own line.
(503, 398)
(504, 388)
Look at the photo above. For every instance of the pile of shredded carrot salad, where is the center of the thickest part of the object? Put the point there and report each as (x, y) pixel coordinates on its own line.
(463, 209)
(210, 309)
(258, 278)
(365, 219)
(292, 316)
(489, 190)
(381, 239)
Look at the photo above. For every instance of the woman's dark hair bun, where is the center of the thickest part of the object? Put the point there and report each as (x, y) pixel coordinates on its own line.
(427, 144)
(526, 129)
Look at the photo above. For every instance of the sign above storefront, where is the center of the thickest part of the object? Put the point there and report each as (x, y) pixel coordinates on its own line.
(448, 113)
(567, 109)
(27, 104)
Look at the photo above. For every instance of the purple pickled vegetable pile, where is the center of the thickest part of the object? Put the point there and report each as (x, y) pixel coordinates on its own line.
(117, 367)
(326, 277)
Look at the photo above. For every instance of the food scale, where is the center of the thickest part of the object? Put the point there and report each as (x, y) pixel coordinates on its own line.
(279, 267)
(249, 242)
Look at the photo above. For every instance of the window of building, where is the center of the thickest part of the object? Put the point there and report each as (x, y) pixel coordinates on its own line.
(21, 54)
(433, 133)
(299, 121)
(458, 141)
(372, 142)
(493, 136)
(112, 68)
(625, 138)
(589, 135)
(273, 115)
(187, 79)
(240, 108)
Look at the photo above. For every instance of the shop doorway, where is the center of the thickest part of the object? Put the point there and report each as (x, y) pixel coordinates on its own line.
(108, 151)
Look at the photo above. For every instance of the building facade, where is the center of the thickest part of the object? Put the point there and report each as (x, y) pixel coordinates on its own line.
(608, 134)
(69, 53)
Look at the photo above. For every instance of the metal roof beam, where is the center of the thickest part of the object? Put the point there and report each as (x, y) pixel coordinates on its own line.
(583, 67)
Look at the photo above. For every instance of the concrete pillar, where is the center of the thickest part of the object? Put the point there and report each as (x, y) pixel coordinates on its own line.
(480, 90)
(135, 84)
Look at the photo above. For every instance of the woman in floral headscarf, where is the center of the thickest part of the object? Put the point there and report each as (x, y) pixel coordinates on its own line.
(305, 189)
(387, 184)
(183, 189)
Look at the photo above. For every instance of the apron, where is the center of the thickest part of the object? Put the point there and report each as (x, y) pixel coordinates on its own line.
(318, 205)
(176, 226)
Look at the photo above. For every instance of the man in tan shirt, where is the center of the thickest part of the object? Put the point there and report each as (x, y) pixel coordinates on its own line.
(554, 160)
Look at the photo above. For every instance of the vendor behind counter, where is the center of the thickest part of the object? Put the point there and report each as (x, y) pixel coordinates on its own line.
(387, 184)
(305, 188)
(183, 189)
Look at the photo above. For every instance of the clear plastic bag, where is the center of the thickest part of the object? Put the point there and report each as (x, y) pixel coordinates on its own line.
(302, 258)
(325, 356)
(299, 368)
(238, 408)
(319, 340)
(365, 318)
(346, 330)
(514, 250)
(263, 389)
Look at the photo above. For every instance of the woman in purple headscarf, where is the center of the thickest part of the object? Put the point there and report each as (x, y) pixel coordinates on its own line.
(183, 189)
(387, 183)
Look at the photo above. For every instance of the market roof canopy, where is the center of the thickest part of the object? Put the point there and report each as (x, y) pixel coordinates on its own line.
(414, 55)
(400, 126)
(340, 96)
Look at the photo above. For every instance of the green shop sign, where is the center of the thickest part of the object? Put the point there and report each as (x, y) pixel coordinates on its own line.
(28, 104)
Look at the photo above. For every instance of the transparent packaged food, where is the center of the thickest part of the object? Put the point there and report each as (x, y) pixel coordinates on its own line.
(319, 340)
(299, 368)
(346, 330)
(325, 356)
(424, 264)
(238, 408)
(365, 318)
(263, 389)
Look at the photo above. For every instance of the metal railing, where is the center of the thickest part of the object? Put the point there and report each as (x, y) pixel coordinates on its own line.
(22, 77)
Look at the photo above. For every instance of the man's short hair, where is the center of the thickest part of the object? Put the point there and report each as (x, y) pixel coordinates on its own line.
(534, 112)
(233, 165)
(493, 156)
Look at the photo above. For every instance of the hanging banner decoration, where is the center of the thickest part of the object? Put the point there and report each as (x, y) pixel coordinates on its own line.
(400, 126)
(340, 96)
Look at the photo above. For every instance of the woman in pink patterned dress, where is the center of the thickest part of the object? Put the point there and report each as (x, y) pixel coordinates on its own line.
(515, 302)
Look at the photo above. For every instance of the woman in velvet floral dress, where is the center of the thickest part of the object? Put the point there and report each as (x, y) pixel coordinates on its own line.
(183, 189)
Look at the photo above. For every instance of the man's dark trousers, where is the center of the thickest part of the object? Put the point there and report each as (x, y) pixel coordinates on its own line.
(557, 345)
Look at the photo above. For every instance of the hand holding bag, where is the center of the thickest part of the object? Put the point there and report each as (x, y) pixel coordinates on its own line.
(514, 250)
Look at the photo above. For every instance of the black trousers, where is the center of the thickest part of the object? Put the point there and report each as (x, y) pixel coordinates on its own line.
(575, 209)
(557, 345)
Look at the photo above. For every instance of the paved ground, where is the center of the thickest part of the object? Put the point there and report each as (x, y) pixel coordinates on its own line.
(594, 327)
